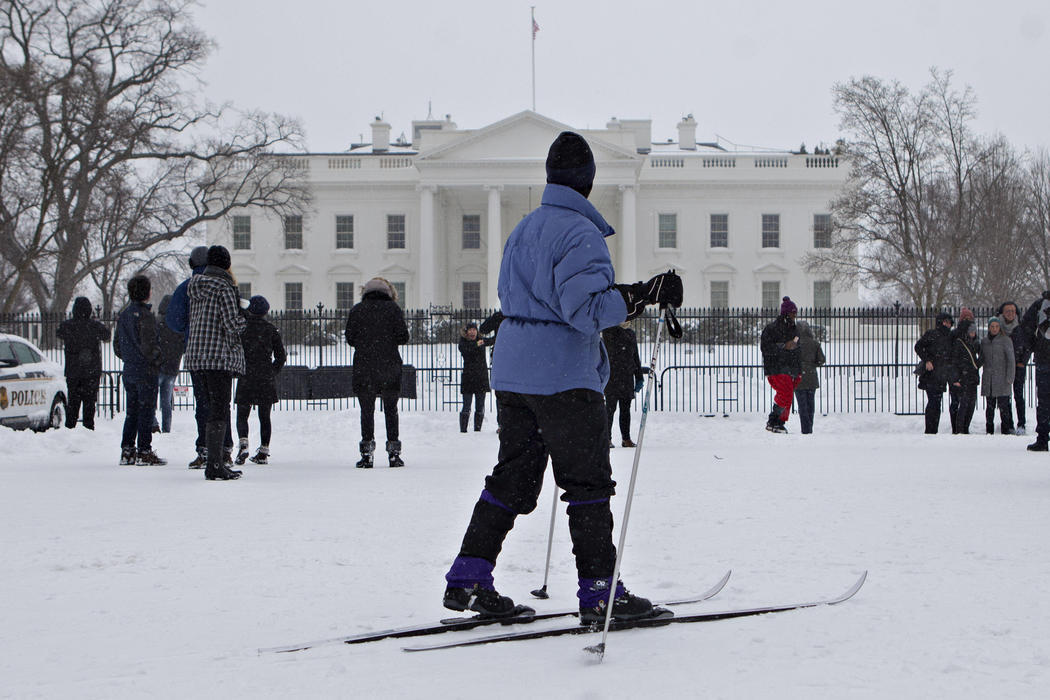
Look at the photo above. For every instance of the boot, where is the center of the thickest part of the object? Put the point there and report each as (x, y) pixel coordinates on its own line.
(367, 448)
(127, 456)
(594, 597)
(221, 473)
(262, 456)
(627, 442)
(149, 458)
(242, 450)
(1038, 446)
(464, 418)
(201, 460)
(393, 448)
(485, 601)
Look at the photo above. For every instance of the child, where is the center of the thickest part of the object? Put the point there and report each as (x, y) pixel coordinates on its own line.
(263, 358)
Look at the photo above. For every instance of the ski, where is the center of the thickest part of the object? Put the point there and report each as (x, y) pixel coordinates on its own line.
(647, 622)
(454, 624)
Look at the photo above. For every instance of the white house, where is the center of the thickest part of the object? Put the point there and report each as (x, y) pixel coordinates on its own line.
(432, 216)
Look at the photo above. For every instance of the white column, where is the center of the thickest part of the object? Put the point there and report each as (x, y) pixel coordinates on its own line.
(426, 245)
(627, 270)
(494, 243)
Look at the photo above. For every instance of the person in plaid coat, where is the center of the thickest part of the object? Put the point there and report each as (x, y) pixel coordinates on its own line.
(214, 349)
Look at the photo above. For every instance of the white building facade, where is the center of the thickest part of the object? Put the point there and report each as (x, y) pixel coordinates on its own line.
(432, 216)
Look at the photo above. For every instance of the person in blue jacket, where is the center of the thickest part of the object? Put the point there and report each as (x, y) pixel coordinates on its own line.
(549, 369)
(136, 344)
(177, 318)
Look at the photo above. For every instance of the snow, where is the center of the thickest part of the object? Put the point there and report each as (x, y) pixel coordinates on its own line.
(128, 581)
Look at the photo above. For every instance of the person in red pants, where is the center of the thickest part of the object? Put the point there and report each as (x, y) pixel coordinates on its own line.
(782, 363)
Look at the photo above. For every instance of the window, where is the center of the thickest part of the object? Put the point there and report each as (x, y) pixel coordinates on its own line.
(344, 295)
(822, 230)
(667, 231)
(293, 296)
(719, 294)
(720, 230)
(771, 230)
(471, 231)
(822, 294)
(242, 233)
(472, 295)
(6, 353)
(395, 231)
(244, 289)
(293, 232)
(344, 232)
(771, 295)
(25, 354)
(399, 287)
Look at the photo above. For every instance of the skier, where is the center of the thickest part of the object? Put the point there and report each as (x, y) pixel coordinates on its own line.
(136, 344)
(474, 383)
(375, 327)
(625, 377)
(782, 363)
(83, 337)
(557, 291)
(264, 356)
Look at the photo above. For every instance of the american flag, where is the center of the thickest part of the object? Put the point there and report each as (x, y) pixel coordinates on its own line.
(535, 28)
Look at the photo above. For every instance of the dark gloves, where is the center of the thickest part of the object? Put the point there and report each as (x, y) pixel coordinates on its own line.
(665, 289)
(639, 382)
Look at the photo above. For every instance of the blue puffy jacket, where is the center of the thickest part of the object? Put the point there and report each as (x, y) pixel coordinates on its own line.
(555, 290)
(136, 342)
(177, 315)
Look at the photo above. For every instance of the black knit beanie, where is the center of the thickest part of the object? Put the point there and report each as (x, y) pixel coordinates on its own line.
(571, 163)
(219, 257)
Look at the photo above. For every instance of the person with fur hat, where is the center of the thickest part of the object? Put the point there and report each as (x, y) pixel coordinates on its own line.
(214, 351)
(781, 363)
(964, 376)
(178, 319)
(549, 369)
(83, 337)
(474, 382)
(136, 344)
(1010, 322)
(375, 327)
(934, 349)
(264, 356)
(997, 377)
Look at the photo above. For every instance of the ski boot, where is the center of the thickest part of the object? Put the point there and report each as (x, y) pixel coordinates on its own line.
(393, 448)
(242, 451)
(594, 598)
(368, 447)
(262, 456)
(484, 601)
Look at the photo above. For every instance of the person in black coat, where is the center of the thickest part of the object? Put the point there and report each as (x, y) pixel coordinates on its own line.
(934, 349)
(172, 347)
(474, 383)
(782, 363)
(264, 356)
(83, 337)
(375, 327)
(625, 377)
(965, 362)
(136, 344)
(1035, 325)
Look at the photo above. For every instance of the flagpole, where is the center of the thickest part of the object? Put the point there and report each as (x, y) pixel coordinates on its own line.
(532, 28)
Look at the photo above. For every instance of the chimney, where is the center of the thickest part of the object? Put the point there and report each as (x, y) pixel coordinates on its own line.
(687, 133)
(380, 136)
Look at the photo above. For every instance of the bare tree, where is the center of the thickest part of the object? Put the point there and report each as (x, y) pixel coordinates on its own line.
(1038, 216)
(98, 93)
(904, 219)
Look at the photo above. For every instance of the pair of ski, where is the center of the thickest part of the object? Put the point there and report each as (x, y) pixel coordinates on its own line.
(468, 623)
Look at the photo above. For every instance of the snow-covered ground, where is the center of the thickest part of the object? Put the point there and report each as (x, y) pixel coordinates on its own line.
(137, 581)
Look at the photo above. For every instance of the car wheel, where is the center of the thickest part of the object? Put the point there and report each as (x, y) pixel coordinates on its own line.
(57, 417)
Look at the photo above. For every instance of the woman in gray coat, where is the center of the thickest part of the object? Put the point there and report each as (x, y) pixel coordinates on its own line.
(997, 377)
(811, 357)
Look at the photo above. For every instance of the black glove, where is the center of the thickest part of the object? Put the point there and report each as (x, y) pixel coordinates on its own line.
(665, 289)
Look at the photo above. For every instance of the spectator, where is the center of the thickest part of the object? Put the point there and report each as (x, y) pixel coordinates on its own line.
(811, 356)
(934, 349)
(178, 319)
(1010, 322)
(474, 383)
(997, 379)
(965, 314)
(780, 362)
(625, 377)
(965, 377)
(83, 337)
(375, 327)
(214, 350)
(136, 344)
(264, 356)
(172, 346)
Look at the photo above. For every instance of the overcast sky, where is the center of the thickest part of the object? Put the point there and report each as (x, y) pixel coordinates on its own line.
(753, 72)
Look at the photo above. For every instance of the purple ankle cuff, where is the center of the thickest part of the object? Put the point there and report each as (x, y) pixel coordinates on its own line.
(589, 503)
(595, 590)
(466, 572)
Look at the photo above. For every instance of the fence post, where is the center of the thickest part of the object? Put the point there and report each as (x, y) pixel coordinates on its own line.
(322, 334)
(896, 339)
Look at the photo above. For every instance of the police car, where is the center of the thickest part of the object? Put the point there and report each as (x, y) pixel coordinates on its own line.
(32, 387)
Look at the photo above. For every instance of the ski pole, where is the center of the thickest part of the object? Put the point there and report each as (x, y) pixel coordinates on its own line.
(542, 592)
(675, 330)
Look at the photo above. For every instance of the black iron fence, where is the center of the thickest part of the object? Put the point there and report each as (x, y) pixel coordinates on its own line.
(715, 368)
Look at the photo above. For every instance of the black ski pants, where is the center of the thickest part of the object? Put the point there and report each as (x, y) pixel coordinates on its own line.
(571, 429)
